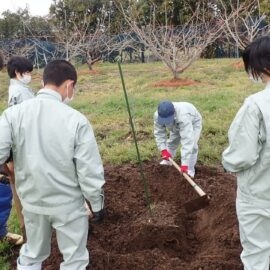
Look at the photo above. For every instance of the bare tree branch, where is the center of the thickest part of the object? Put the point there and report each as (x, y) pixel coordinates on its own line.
(246, 25)
(179, 46)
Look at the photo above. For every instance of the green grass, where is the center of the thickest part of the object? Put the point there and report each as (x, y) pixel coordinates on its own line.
(218, 97)
(6, 249)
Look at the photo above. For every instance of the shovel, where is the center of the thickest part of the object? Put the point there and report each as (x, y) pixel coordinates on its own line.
(198, 203)
(16, 200)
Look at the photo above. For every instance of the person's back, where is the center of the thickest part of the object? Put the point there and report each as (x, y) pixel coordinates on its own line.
(47, 131)
(18, 92)
(184, 112)
(185, 107)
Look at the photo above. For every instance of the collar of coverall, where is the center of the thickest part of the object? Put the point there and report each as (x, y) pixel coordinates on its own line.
(17, 82)
(49, 93)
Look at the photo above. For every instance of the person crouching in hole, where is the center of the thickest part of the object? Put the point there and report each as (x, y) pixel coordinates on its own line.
(184, 123)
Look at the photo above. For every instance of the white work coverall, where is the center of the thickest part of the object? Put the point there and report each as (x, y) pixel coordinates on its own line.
(18, 92)
(186, 131)
(57, 166)
(248, 155)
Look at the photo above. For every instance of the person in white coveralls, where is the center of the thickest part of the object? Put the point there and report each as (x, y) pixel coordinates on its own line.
(19, 70)
(57, 166)
(248, 156)
(184, 123)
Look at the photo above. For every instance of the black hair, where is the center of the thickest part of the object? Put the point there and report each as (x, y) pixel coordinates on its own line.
(1, 61)
(256, 57)
(58, 71)
(19, 64)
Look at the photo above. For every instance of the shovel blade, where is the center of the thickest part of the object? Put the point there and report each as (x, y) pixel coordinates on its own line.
(197, 204)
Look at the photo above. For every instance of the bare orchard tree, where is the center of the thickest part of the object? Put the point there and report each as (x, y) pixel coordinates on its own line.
(95, 47)
(93, 44)
(179, 46)
(70, 41)
(84, 42)
(16, 47)
(99, 44)
(246, 25)
(126, 46)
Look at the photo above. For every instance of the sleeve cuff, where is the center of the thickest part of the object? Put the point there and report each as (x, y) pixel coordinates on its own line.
(98, 204)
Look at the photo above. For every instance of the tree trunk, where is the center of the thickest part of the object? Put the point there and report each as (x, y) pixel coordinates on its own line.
(176, 74)
(89, 64)
(1, 61)
(142, 54)
(89, 61)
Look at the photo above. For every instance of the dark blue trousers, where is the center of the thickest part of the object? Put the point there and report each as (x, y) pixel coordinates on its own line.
(5, 207)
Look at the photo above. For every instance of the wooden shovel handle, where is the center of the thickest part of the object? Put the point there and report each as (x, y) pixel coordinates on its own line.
(187, 177)
(17, 202)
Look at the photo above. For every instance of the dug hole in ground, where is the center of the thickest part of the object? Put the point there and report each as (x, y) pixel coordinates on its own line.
(131, 238)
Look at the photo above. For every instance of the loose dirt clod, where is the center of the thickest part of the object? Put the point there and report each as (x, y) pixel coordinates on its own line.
(132, 238)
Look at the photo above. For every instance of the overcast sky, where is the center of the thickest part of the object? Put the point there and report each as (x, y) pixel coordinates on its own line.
(36, 7)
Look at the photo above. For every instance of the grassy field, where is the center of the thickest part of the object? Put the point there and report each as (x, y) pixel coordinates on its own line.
(218, 96)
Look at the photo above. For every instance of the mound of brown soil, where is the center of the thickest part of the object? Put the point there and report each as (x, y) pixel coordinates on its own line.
(176, 83)
(133, 238)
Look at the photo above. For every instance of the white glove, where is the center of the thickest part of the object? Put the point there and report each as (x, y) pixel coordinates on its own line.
(165, 162)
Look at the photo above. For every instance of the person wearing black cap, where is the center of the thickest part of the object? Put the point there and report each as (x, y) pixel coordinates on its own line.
(184, 123)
